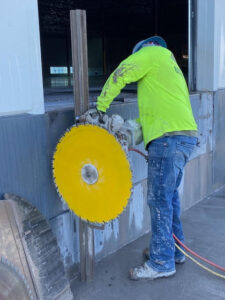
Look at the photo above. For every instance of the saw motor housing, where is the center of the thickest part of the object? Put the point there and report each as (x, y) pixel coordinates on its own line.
(127, 132)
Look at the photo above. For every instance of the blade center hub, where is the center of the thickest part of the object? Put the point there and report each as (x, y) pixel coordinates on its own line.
(89, 174)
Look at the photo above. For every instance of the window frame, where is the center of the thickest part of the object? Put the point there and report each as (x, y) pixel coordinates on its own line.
(192, 40)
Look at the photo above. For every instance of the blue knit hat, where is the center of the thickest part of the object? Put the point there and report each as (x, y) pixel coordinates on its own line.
(153, 39)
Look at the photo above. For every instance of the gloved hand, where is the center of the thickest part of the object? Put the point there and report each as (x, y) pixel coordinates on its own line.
(94, 116)
(101, 116)
(90, 116)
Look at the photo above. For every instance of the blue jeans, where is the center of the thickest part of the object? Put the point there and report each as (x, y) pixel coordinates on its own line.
(167, 158)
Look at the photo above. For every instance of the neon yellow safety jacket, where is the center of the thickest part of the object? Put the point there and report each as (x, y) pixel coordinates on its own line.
(163, 97)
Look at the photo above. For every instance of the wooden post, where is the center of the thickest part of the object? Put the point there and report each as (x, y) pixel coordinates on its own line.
(80, 61)
(81, 93)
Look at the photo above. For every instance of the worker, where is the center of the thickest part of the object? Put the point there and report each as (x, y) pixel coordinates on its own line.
(170, 135)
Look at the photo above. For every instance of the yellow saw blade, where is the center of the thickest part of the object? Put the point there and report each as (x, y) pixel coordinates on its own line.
(92, 173)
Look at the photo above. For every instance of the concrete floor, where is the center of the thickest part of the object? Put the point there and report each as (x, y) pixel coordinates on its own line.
(204, 228)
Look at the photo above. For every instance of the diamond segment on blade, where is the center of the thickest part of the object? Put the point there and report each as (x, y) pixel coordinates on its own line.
(92, 173)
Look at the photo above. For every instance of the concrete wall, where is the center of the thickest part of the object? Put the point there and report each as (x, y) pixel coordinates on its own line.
(21, 74)
(27, 146)
(218, 139)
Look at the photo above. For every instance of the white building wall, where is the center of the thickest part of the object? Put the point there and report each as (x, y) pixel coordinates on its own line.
(210, 45)
(219, 70)
(21, 89)
(205, 45)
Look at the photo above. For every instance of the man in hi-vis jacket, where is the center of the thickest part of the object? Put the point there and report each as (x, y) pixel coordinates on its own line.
(170, 135)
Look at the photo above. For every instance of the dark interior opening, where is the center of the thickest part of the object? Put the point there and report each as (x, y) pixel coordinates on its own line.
(113, 28)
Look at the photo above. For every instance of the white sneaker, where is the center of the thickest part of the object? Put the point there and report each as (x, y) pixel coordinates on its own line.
(181, 260)
(146, 272)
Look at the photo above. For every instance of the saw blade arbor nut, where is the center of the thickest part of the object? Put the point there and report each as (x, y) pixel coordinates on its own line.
(89, 174)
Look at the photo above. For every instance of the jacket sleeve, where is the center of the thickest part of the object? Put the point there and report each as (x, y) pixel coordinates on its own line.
(130, 70)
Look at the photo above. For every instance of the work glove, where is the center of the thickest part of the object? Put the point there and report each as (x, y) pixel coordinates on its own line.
(101, 116)
(94, 116)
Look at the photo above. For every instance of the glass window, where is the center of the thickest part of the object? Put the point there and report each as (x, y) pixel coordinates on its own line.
(58, 70)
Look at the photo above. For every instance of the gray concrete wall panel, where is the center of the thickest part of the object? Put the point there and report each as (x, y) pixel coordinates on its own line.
(219, 139)
(65, 229)
(24, 164)
(202, 106)
(131, 224)
(197, 182)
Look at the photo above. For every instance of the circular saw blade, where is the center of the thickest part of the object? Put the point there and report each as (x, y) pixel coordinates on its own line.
(92, 173)
(12, 283)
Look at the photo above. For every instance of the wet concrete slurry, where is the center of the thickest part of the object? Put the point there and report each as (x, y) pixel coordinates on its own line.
(204, 228)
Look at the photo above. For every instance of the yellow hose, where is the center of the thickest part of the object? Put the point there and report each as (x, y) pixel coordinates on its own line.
(199, 264)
